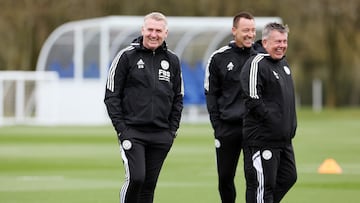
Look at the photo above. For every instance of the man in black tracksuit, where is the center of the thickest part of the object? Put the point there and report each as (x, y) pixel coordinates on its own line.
(144, 99)
(270, 125)
(224, 102)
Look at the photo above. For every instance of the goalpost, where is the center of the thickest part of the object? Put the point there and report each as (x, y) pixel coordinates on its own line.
(19, 91)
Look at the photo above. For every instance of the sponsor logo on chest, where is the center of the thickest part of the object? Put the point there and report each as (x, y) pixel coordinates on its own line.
(164, 73)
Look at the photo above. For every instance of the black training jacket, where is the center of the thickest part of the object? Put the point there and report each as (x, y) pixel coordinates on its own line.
(144, 89)
(222, 84)
(269, 96)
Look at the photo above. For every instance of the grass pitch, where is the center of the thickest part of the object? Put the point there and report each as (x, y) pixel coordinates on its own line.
(83, 165)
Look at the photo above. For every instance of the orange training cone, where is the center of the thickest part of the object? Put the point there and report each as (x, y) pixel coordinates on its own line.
(329, 166)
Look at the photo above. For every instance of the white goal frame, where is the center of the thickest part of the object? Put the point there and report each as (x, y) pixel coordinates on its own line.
(21, 101)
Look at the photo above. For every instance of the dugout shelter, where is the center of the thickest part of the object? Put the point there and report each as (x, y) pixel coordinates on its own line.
(69, 82)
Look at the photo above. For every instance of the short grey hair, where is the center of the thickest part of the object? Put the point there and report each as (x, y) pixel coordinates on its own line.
(156, 16)
(274, 26)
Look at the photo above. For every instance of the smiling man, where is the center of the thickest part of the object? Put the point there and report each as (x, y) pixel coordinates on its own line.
(154, 32)
(224, 103)
(144, 100)
(270, 125)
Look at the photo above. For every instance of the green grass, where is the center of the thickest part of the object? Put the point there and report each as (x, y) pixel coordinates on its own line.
(83, 165)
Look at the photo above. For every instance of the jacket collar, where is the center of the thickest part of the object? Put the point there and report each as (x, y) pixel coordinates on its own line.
(233, 45)
(138, 44)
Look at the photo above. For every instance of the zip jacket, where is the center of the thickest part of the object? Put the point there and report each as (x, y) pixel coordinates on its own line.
(222, 84)
(144, 89)
(269, 97)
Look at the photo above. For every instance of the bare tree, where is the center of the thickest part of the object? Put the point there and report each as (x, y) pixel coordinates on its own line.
(324, 41)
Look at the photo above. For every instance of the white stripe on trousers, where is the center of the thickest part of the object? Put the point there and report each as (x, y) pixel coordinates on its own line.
(127, 176)
(260, 177)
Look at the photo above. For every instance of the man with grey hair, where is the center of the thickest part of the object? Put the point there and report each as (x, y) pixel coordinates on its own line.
(144, 100)
(270, 125)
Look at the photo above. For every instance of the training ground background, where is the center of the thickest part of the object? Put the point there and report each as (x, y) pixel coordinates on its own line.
(78, 164)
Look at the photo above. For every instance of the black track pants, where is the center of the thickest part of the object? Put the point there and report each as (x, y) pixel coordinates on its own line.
(269, 173)
(143, 154)
(228, 147)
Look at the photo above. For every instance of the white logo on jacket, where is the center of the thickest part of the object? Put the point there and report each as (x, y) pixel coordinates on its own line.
(140, 64)
(164, 65)
(276, 75)
(230, 66)
(164, 74)
(287, 70)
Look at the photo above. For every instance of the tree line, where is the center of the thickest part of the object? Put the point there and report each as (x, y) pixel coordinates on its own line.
(324, 39)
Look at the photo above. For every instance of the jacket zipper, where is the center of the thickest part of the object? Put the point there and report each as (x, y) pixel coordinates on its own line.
(154, 83)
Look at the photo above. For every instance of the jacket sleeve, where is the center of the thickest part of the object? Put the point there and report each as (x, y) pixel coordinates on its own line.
(177, 105)
(114, 91)
(252, 85)
(212, 88)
